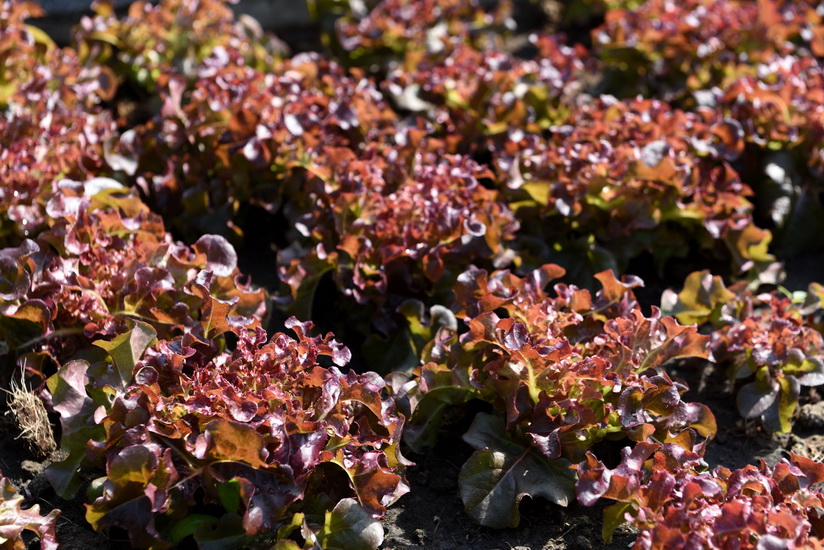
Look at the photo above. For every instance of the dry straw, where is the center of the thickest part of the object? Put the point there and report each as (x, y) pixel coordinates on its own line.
(29, 414)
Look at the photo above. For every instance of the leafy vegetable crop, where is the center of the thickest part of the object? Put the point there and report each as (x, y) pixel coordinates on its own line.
(15, 519)
(668, 494)
(385, 229)
(380, 34)
(238, 135)
(767, 337)
(106, 261)
(153, 40)
(53, 126)
(282, 445)
(441, 192)
(633, 176)
(566, 371)
(672, 49)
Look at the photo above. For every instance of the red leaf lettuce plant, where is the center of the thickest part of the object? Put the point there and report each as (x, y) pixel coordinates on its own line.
(758, 63)
(443, 60)
(52, 121)
(667, 493)
(668, 48)
(619, 178)
(563, 372)
(475, 96)
(171, 37)
(238, 136)
(14, 519)
(107, 261)
(385, 228)
(767, 339)
(401, 32)
(259, 442)
(777, 104)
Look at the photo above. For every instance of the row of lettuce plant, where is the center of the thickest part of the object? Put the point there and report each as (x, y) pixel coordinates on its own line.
(229, 135)
(204, 181)
(229, 150)
(421, 148)
(150, 391)
(54, 124)
(674, 501)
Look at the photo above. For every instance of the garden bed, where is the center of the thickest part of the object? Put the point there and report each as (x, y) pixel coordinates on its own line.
(445, 275)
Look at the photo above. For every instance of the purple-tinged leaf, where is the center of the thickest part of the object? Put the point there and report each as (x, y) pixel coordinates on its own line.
(812, 372)
(14, 519)
(14, 280)
(221, 258)
(502, 471)
(126, 350)
(349, 526)
(755, 398)
(515, 335)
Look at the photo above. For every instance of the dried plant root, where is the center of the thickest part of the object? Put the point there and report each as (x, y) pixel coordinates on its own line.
(30, 416)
